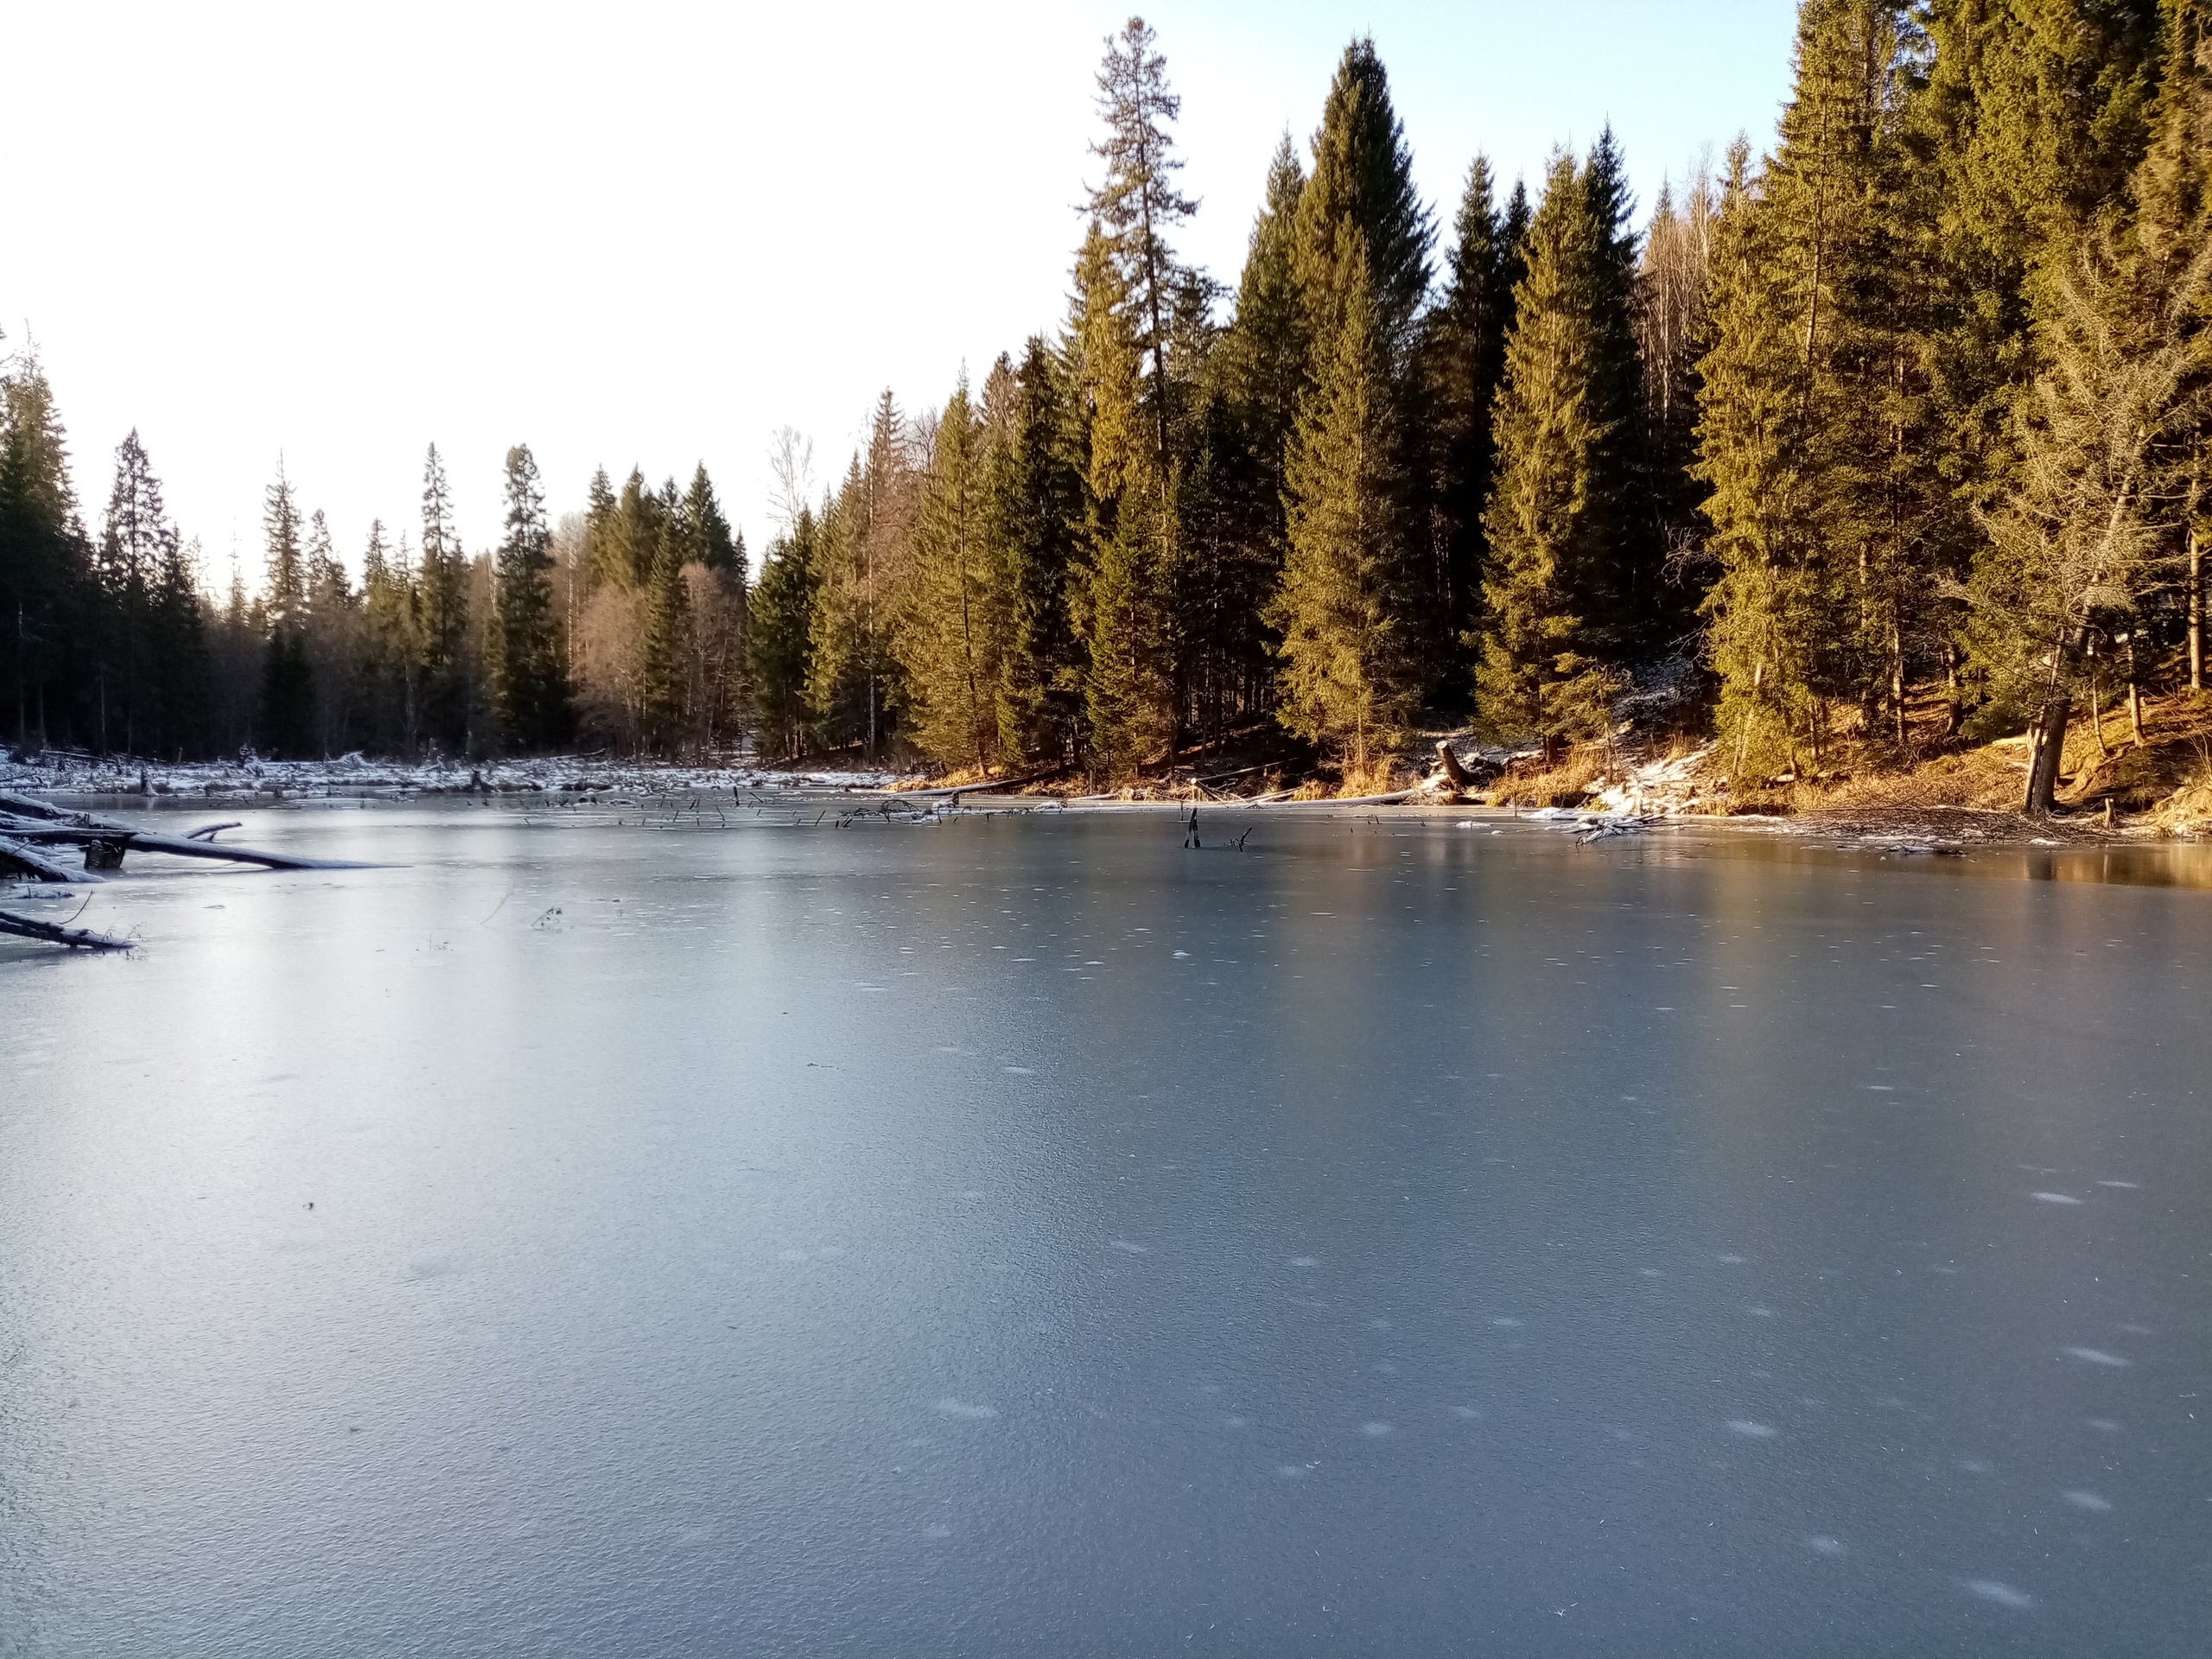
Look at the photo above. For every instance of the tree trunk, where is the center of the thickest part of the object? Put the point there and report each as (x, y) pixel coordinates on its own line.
(2195, 610)
(2047, 740)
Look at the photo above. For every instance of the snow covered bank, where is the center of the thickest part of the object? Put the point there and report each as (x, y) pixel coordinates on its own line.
(52, 774)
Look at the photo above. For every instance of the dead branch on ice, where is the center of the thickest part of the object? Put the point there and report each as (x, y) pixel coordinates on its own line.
(21, 859)
(77, 939)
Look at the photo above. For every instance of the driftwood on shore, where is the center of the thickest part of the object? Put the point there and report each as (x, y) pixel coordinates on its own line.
(77, 939)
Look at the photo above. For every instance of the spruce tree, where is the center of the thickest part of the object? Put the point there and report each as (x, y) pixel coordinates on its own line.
(530, 687)
(1765, 610)
(1835, 242)
(45, 582)
(863, 541)
(1461, 363)
(1034, 509)
(134, 544)
(1261, 363)
(1549, 662)
(707, 535)
(1359, 206)
(782, 613)
(1671, 323)
(1350, 675)
(179, 664)
(1363, 177)
(286, 725)
(1626, 600)
(448, 689)
(1130, 706)
(392, 645)
(664, 648)
(948, 630)
(333, 635)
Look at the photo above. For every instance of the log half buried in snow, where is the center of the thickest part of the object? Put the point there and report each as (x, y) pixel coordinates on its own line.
(77, 939)
(19, 858)
(113, 840)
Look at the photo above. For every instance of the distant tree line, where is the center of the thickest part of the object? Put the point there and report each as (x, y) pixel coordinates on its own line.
(1914, 406)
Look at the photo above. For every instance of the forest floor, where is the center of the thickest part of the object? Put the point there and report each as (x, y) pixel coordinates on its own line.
(2119, 781)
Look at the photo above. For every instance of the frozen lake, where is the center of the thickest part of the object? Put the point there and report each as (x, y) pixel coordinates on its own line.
(1011, 1236)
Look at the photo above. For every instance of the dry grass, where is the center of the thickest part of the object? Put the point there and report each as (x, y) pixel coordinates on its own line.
(1570, 782)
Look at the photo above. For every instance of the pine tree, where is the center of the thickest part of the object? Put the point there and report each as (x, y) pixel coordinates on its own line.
(529, 686)
(1547, 668)
(1137, 205)
(1351, 663)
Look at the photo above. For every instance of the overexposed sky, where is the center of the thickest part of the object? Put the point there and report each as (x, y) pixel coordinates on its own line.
(655, 233)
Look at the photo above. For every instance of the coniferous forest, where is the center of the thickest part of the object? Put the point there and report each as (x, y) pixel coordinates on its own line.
(1894, 433)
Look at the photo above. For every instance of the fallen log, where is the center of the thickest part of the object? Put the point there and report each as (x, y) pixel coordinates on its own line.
(113, 840)
(23, 807)
(1354, 800)
(77, 939)
(24, 859)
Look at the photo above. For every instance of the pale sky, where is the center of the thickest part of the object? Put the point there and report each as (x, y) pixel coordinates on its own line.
(655, 233)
